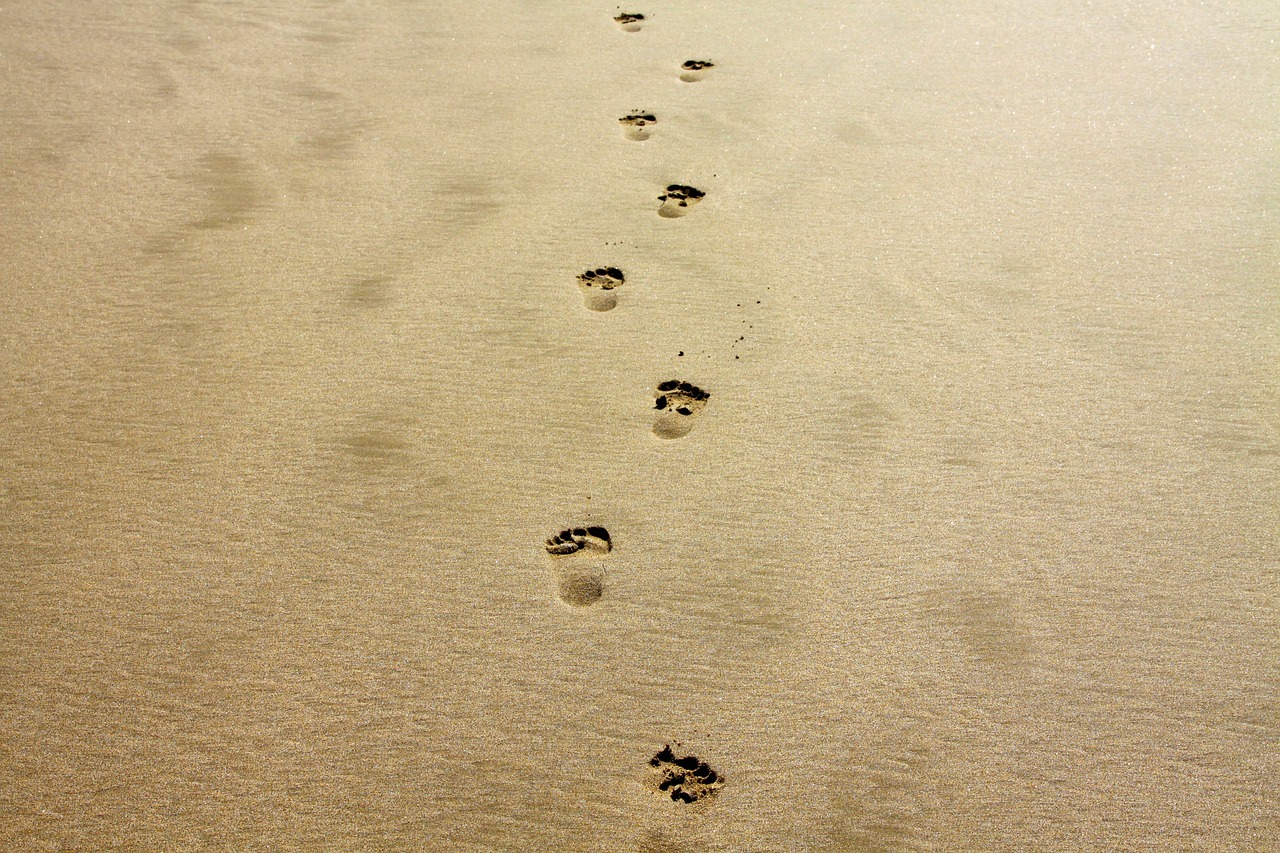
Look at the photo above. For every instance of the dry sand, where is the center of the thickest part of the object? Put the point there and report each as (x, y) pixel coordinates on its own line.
(973, 546)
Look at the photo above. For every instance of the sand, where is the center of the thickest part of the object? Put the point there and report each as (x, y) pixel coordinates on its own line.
(972, 545)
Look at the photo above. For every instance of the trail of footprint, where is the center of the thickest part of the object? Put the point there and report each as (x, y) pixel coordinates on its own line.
(680, 403)
(599, 288)
(637, 126)
(677, 200)
(630, 21)
(580, 580)
(686, 779)
(693, 70)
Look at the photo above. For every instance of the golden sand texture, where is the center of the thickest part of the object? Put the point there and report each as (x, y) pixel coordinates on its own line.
(971, 546)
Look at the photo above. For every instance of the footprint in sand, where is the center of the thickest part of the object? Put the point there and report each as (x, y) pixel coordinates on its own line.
(580, 580)
(637, 126)
(677, 200)
(599, 288)
(694, 70)
(679, 402)
(630, 21)
(685, 779)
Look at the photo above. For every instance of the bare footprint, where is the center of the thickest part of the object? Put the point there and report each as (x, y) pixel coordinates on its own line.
(599, 288)
(630, 21)
(677, 200)
(637, 126)
(679, 402)
(580, 579)
(685, 779)
(694, 70)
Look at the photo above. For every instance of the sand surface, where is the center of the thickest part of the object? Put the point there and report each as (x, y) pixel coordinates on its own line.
(973, 546)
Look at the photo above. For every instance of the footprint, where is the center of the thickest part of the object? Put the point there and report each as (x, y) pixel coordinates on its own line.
(630, 21)
(679, 402)
(686, 779)
(576, 539)
(581, 582)
(636, 126)
(232, 195)
(599, 288)
(677, 200)
(369, 292)
(694, 70)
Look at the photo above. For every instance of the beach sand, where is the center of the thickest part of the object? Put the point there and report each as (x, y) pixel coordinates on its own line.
(972, 545)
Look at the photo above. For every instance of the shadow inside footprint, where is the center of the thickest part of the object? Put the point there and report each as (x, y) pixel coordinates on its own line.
(677, 200)
(679, 402)
(686, 779)
(637, 126)
(599, 288)
(630, 21)
(694, 70)
(580, 582)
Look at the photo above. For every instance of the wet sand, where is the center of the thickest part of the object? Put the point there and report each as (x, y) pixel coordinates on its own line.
(971, 544)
